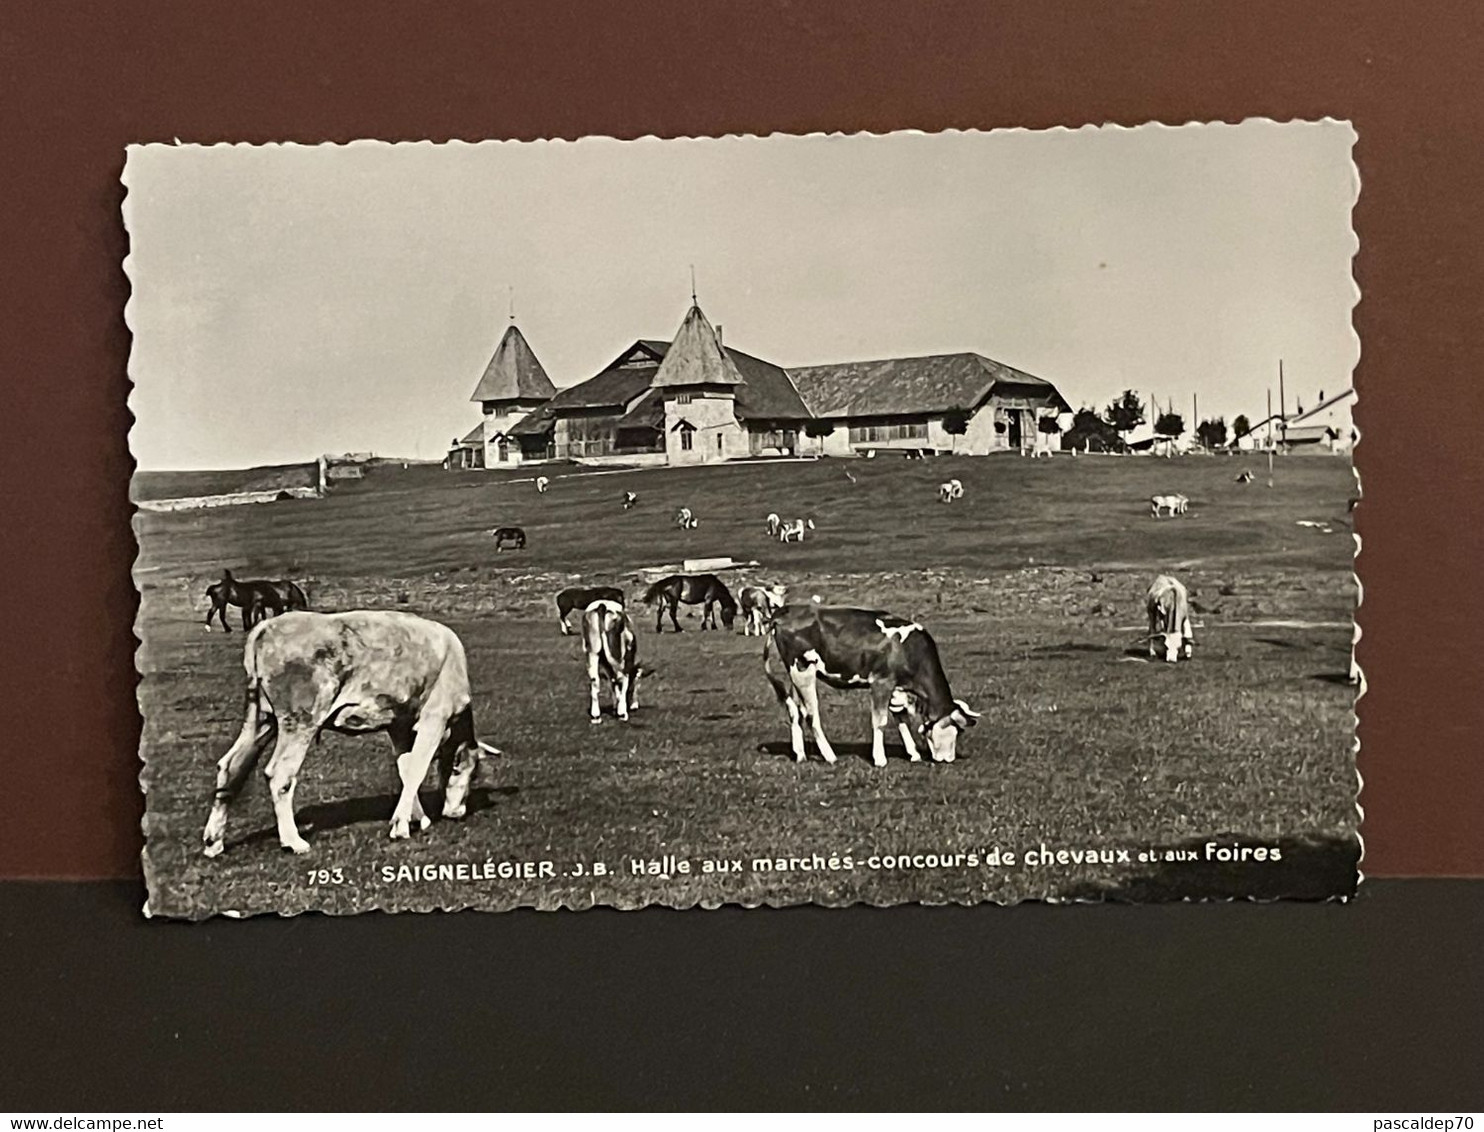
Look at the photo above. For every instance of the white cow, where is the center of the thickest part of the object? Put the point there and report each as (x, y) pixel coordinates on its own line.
(1168, 604)
(354, 673)
(1174, 504)
(542, 483)
(612, 649)
(685, 520)
(950, 490)
(794, 531)
(629, 499)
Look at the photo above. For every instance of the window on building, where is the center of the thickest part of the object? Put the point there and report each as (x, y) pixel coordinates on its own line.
(687, 438)
(682, 398)
(881, 433)
(718, 442)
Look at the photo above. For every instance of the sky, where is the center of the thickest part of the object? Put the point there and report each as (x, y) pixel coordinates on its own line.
(290, 301)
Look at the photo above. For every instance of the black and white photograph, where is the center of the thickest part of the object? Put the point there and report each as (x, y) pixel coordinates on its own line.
(946, 518)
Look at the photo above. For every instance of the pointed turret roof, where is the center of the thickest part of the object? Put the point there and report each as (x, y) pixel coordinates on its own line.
(696, 357)
(514, 373)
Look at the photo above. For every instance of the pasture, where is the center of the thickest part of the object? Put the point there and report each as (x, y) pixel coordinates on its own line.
(1032, 586)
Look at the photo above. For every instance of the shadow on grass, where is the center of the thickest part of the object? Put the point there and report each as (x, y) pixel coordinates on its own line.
(847, 750)
(1071, 648)
(1333, 678)
(1278, 642)
(1312, 867)
(325, 816)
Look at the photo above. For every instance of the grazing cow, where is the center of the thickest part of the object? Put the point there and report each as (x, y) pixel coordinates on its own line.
(612, 649)
(354, 673)
(794, 531)
(542, 483)
(685, 520)
(580, 597)
(950, 490)
(705, 590)
(1174, 504)
(629, 499)
(1245, 477)
(758, 604)
(774, 524)
(256, 598)
(863, 648)
(1168, 604)
(514, 536)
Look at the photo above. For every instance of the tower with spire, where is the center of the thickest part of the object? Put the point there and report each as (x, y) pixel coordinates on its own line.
(513, 385)
(699, 383)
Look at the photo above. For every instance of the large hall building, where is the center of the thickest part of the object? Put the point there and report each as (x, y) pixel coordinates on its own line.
(694, 400)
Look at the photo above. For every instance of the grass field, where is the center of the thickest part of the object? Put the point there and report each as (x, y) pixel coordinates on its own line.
(1032, 586)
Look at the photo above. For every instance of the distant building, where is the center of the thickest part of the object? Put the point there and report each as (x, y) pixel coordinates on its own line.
(1326, 427)
(513, 385)
(695, 400)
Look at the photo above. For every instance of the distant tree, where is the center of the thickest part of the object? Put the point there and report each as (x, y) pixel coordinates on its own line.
(1049, 425)
(1092, 433)
(1212, 433)
(1241, 427)
(818, 428)
(1126, 413)
(956, 422)
(1170, 424)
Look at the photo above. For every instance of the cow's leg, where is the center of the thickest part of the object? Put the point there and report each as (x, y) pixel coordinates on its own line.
(283, 775)
(232, 771)
(787, 699)
(620, 682)
(413, 769)
(674, 604)
(402, 736)
(880, 717)
(634, 688)
(907, 741)
(594, 683)
(809, 695)
(562, 615)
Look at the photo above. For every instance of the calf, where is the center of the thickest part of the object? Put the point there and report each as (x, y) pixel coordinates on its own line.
(860, 648)
(511, 536)
(580, 597)
(542, 483)
(353, 673)
(794, 531)
(1168, 604)
(612, 649)
(758, 604)
(1174, 504)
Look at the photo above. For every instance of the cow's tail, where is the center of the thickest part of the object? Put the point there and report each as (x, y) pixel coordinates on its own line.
(256, 708)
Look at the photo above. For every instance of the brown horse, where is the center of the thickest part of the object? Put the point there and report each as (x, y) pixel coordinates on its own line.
(258, 599)
(693, 589)
(580, 597)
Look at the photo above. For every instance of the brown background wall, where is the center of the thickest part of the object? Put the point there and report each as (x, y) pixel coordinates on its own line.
(79, 81)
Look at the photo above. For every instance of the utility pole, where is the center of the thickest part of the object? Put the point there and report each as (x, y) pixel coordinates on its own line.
(1282, 404)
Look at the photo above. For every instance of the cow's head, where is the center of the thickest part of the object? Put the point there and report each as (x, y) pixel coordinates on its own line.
(942, 736)
(1171, 646)
(728, 616)
(458, 759)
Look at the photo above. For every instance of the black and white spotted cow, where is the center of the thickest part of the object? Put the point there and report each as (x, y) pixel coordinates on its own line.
(1168, 604)
(612, 649)
(895, 659)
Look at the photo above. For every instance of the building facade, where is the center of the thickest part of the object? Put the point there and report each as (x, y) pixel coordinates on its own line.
(695, 400)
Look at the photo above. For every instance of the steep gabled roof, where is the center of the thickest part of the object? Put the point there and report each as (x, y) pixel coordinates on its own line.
(909, 386)
(766, 393)
(514, 373)
(475, 439)
(695, 357)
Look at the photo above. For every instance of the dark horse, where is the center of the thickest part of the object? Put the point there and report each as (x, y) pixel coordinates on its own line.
(580, 597)
(512, 535)
(257, 599)
(693, 589)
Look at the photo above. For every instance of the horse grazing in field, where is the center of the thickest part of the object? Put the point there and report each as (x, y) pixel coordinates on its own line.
(258, 599)
(580, 597)
(705, 590)
(514, 536)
